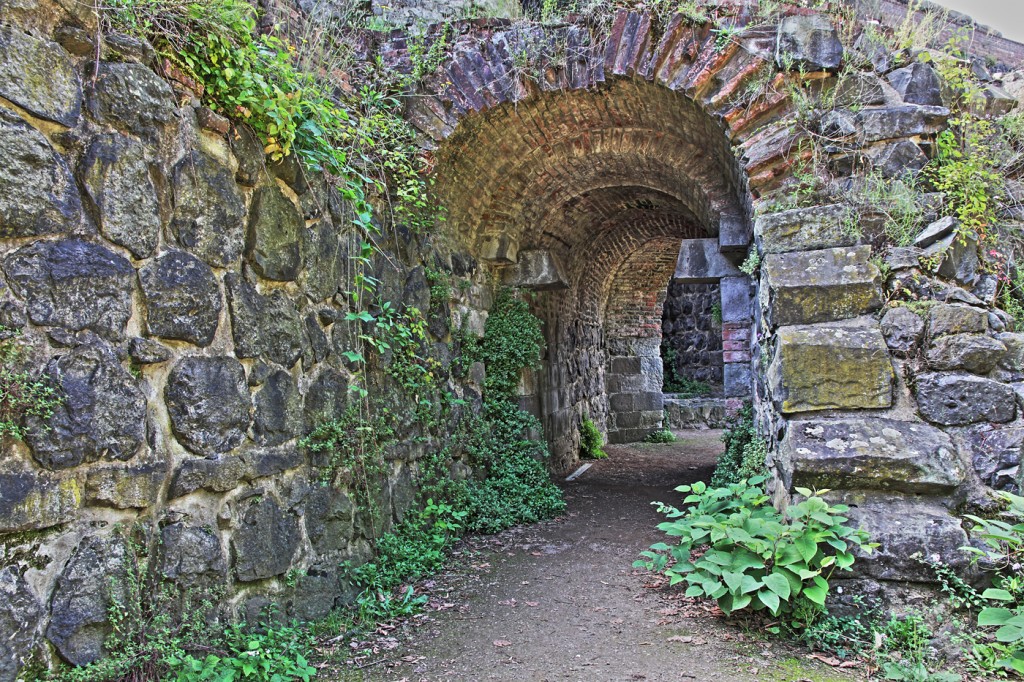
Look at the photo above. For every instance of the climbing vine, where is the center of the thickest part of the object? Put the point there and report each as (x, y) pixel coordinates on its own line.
(22, 393)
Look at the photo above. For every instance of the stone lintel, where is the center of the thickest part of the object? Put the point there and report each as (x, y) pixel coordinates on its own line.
(701, 260)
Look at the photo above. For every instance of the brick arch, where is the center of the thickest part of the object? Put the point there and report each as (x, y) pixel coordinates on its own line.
(614, 148)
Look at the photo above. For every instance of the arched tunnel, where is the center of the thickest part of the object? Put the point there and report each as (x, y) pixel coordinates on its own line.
(596, 199)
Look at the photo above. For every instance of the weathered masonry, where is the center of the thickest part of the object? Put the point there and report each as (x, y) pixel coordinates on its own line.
(189, 300)
(632, 160)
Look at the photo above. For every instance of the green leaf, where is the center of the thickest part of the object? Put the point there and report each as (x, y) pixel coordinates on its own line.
(806, 546)
(997, 594)
(769, 599)
(741, 601)
(733, 580)
(994, 616)
(778, 584)
(1012, 631)
(816, 594)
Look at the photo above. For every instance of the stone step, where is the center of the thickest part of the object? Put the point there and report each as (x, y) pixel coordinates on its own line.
(871, 454)
(695, 413)
(820, 286)
(837, 366)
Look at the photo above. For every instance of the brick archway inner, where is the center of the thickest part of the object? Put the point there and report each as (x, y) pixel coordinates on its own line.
(597, 199)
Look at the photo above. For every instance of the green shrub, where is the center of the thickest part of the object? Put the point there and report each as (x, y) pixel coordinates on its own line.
(745, 452)
(415, 548)
(591, 441)
(756, 557)
(1004, 552)
(660, 436)
(275, 654)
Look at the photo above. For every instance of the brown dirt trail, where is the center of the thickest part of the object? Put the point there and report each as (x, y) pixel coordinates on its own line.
(561, 601)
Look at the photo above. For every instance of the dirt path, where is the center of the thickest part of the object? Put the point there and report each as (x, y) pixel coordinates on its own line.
(560, 600)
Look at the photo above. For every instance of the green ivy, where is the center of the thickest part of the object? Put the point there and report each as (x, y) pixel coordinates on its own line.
(23, 393)
(517, 487)
(349, 453)
(511, 343)
(591, 441)
(745, 452)
(660, 436)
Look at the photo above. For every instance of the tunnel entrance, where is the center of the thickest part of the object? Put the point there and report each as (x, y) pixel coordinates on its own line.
(597, 200)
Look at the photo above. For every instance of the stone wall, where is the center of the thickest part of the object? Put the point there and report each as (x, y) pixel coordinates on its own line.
(691, 341)
(188, 301)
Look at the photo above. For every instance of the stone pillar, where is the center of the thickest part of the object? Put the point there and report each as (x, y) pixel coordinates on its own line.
(737, 335)
(633, 379)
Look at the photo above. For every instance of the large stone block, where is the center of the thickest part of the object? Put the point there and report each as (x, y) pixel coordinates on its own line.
(265, 541)
(38, 194)
(73, 284)
(329, 516)
(209, 210)
(808, 42)
(902, 330)
(324, 262)
(956, 319)
(117, 180)
(975, 353)
(905, 528)
(263, 325)
(870, 454)
(103, 413)
(804, 229)
(996, 453)
(890, 123)
(191, 556)
(273, 243)
(182, 298)
(736, 302)
(820, 286)
(961, 399)
(208, 402)
(33, 501)
(39, 76)
(134, 487)
(131, 97)
(20, 613)
(824, 367)
(538, 269)
(917, 84)
(738, 379)
(79, 609)
(278, 410)
(326, 398)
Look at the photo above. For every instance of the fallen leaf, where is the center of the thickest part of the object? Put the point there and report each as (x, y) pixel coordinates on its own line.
(828, 660)
(685, 639)
(532, 603)
(502, 642)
